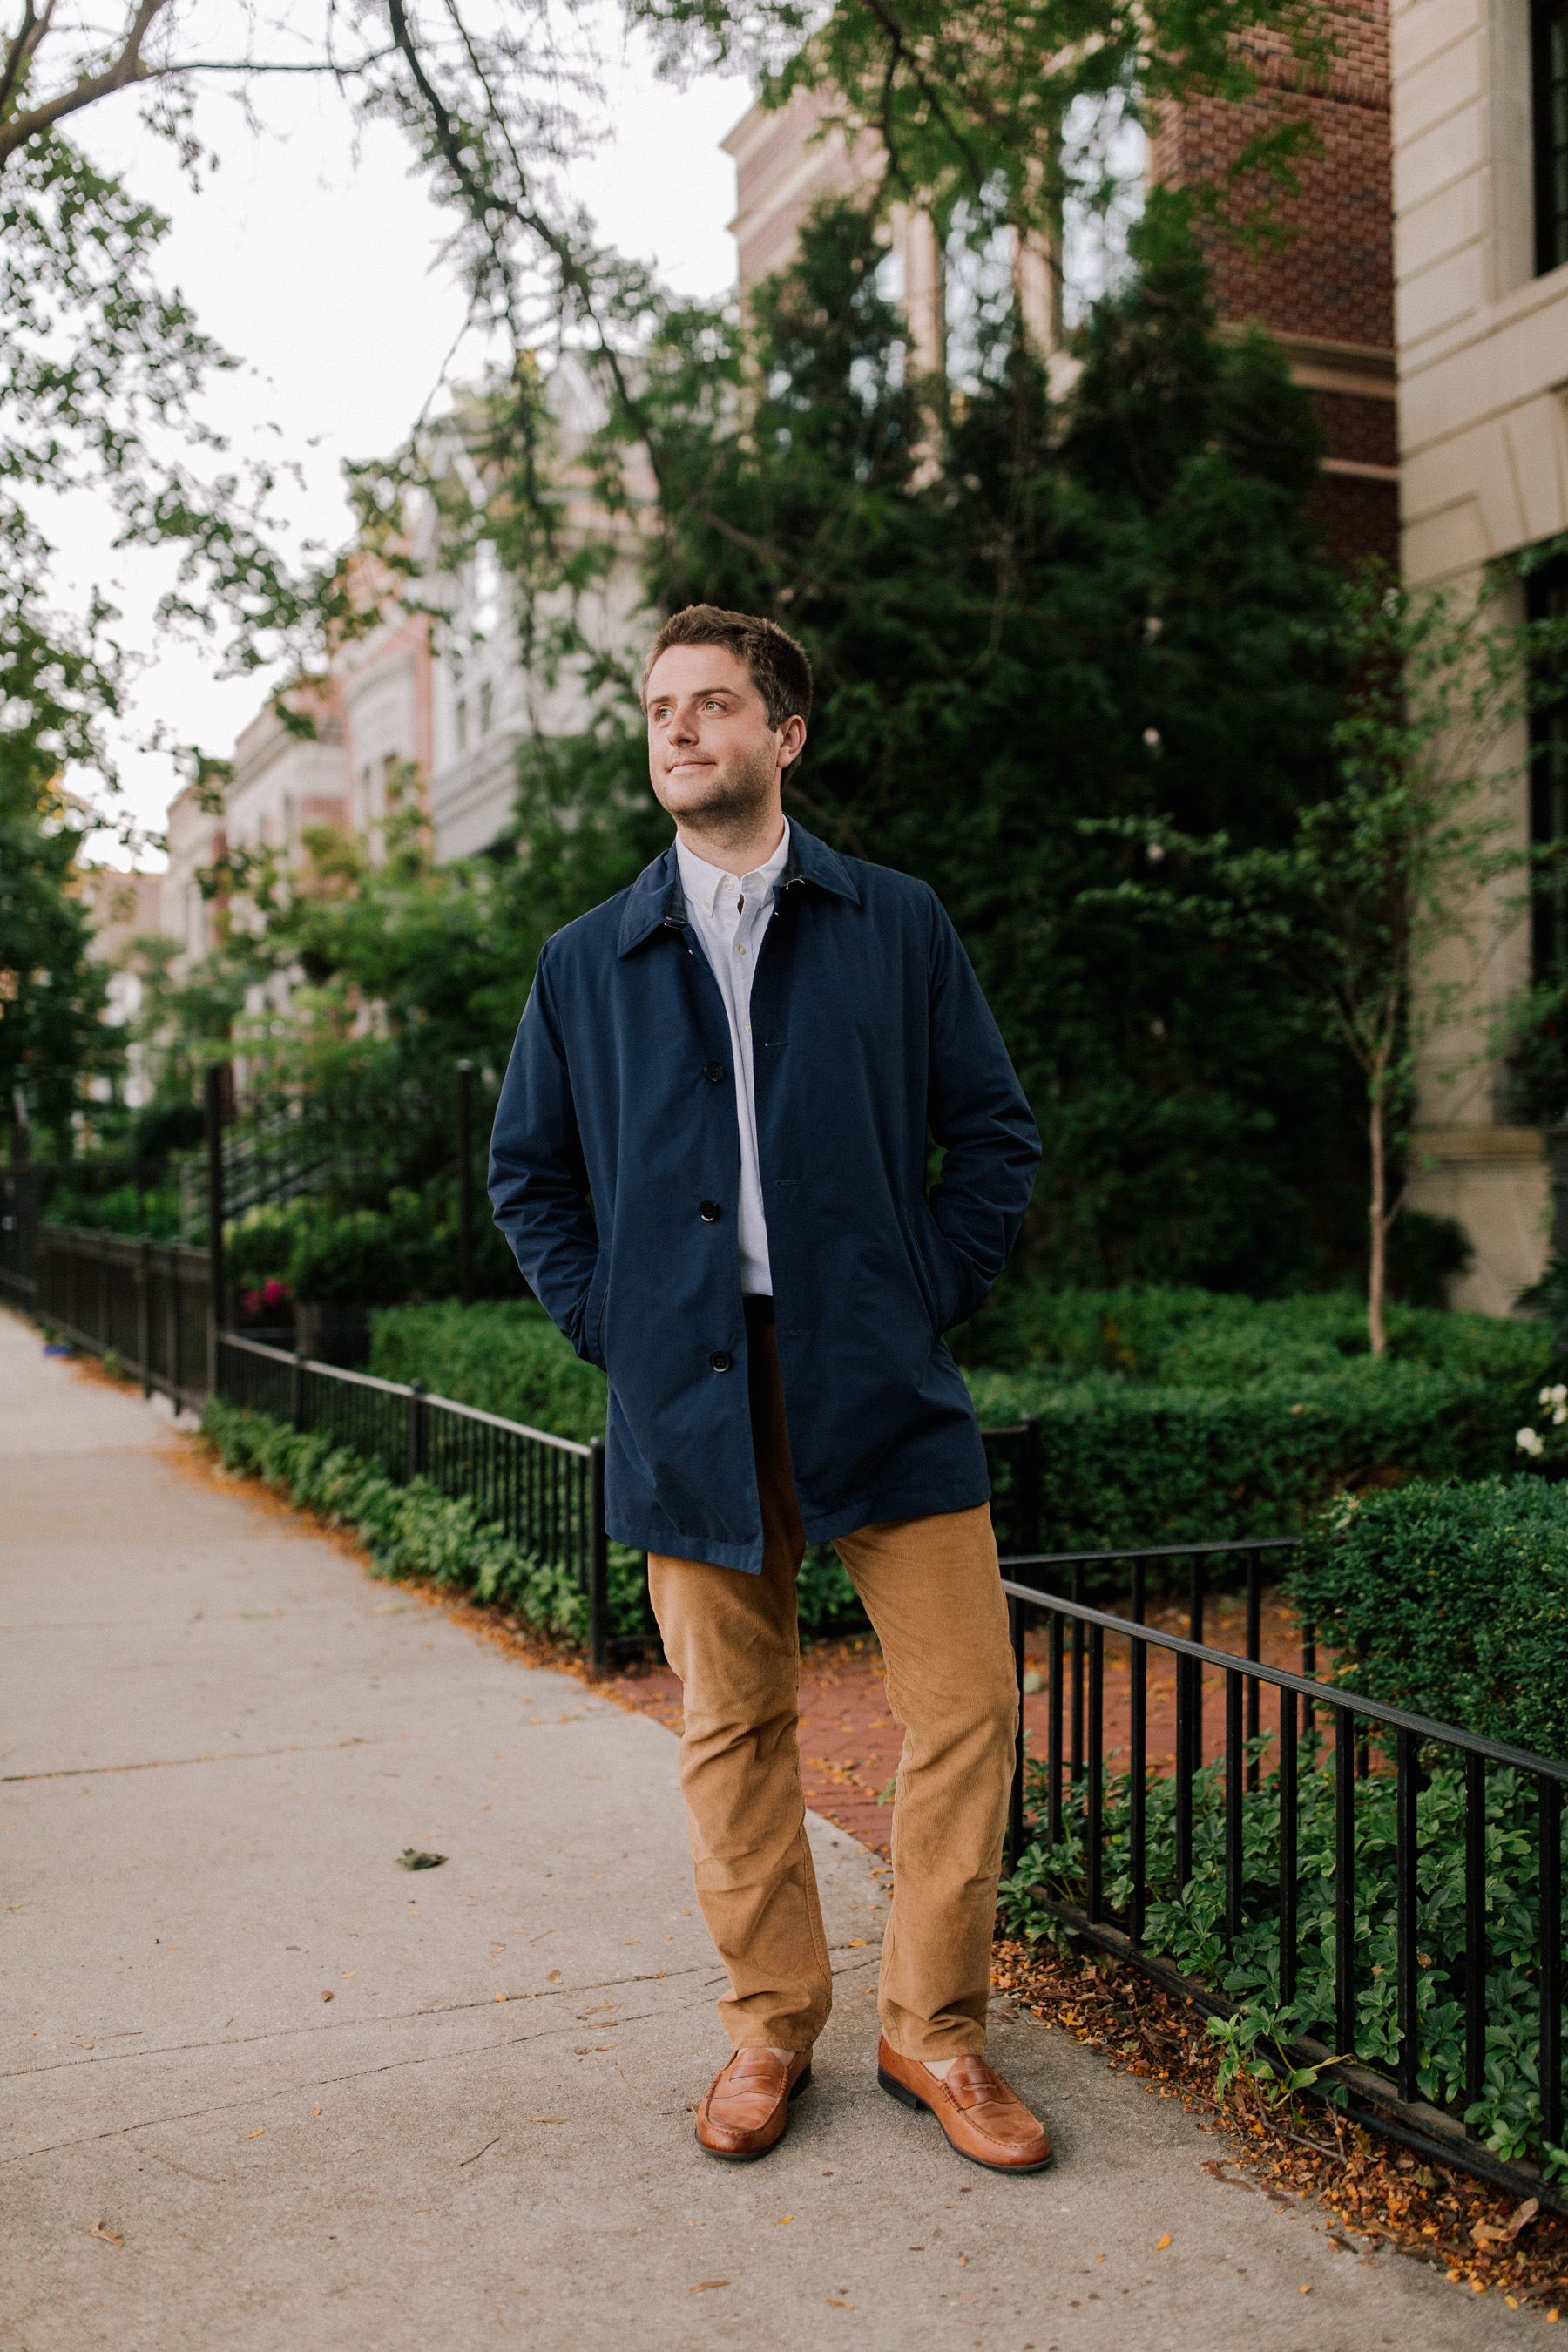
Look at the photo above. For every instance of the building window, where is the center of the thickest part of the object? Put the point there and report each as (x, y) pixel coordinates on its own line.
(487, 705)
(1549, 74)
(1547, 593)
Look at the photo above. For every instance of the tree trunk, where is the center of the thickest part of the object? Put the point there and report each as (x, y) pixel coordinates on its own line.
(1377, 1217)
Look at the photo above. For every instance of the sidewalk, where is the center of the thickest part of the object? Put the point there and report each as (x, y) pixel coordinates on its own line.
(216, 1735)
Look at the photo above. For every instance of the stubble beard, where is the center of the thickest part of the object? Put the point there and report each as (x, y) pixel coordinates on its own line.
(733, 800)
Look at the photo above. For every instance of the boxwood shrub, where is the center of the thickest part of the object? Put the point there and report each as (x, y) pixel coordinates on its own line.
(1451, 1600)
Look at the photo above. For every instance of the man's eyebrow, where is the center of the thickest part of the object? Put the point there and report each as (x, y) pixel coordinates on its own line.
(668, 696)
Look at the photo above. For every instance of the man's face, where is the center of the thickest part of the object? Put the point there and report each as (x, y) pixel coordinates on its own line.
(710, 750)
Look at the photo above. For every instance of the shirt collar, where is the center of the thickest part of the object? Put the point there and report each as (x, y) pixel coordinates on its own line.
(702, 881)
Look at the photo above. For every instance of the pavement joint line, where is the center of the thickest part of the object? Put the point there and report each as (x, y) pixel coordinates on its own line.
(171, 1763)
(353, 2074)
(409, 2017)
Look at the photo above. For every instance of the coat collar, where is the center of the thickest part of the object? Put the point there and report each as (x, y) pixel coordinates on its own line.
(656, 901)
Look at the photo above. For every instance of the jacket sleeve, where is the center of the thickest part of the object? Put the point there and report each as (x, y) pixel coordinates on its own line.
(980, 1116)
(538, 1179)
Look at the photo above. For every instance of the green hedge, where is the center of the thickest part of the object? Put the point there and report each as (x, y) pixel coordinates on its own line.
(1129, 1464)
(1126, 1460)
(415, 1531)
(1187, 1923)
(1204, 1338)
(1450, 1601)
(505, 1355)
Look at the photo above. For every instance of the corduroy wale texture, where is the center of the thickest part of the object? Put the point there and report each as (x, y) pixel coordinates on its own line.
(931, 1590)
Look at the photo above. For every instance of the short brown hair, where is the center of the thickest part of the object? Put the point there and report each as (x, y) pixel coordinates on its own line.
(778, 666)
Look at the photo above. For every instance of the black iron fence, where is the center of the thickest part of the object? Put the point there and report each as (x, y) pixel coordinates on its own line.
(1366, 1739)
(145, 1303)
(545, 1493)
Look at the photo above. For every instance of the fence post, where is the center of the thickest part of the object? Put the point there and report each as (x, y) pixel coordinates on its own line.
(417, 1424)
(212, 1104)
(1016, 1795)
(296, 1393)
(466, 1182)
(598, 1562)
(1028, 1507)
(144, 1313)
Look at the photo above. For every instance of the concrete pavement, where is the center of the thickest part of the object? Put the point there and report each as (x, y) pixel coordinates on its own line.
(217, 1735)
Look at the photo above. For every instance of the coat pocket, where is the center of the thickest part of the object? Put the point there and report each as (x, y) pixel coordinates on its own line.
(590, 1331)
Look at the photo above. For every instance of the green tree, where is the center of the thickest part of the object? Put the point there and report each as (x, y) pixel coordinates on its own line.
(1385, 906)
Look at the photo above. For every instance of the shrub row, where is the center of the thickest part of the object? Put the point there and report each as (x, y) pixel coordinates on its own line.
(1126, 1463)
(1124, 1460)
(417, 1530)
(1449, 1600)
(1206, 1339)
(505, 1355)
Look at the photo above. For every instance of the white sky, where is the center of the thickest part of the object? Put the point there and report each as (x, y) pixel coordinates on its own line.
(313, 255)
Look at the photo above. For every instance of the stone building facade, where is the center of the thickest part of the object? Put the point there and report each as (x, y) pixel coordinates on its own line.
(1481, 172)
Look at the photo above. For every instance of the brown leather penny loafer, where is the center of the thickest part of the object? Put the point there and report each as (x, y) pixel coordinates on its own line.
(746, 2111)
(984, 2118)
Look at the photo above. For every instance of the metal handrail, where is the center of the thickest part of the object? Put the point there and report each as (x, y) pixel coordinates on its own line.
(399, 1388)
(1142, 1552)
(1322, 1693)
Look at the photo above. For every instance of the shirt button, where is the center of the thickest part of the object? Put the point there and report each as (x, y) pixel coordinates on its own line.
(714, 1073)
(739, 948)
(721, 1359)
(710, 1212)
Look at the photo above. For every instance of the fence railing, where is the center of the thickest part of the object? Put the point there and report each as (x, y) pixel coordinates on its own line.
(1407, 1746)
(145, 1302)
(546, 1492)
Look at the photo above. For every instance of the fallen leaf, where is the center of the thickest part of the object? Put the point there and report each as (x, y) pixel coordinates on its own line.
(110, 2237)
(411, 1859)
(1305, 2290)
(832, 2299)
(257, 2133)
(858, 1943)
(349, 1972)
(1488, 2233)
(1163, 2243)
(500, 1996)
(553, 1977)
(1522, 2216)
(329, 1996)
(703, 2284)
(783, 2218)
(315, 2111)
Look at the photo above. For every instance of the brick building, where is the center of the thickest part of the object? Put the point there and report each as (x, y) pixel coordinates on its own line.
(1328, 296)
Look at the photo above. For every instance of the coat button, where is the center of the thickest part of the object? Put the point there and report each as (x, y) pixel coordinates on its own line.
(714, 1073)
(721, 1359)
(710, 1212)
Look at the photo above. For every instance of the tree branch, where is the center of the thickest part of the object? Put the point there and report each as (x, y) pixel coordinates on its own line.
(126, 69)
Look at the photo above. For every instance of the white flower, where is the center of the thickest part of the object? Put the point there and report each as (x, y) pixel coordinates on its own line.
(1559, 1416)
(1528, 1442)
(1558, 1395)
(1154, 853)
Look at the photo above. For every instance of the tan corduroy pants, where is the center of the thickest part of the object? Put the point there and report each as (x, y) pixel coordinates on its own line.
(931, 1590)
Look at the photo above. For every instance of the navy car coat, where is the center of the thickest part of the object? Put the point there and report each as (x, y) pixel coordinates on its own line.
(616, 1138)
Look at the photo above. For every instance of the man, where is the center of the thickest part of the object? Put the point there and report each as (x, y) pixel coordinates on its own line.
(711, 1158)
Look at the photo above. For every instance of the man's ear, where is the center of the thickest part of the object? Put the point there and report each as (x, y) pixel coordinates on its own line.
(792, 742)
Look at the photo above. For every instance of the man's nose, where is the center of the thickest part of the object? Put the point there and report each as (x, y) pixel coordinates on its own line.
(683, 728)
